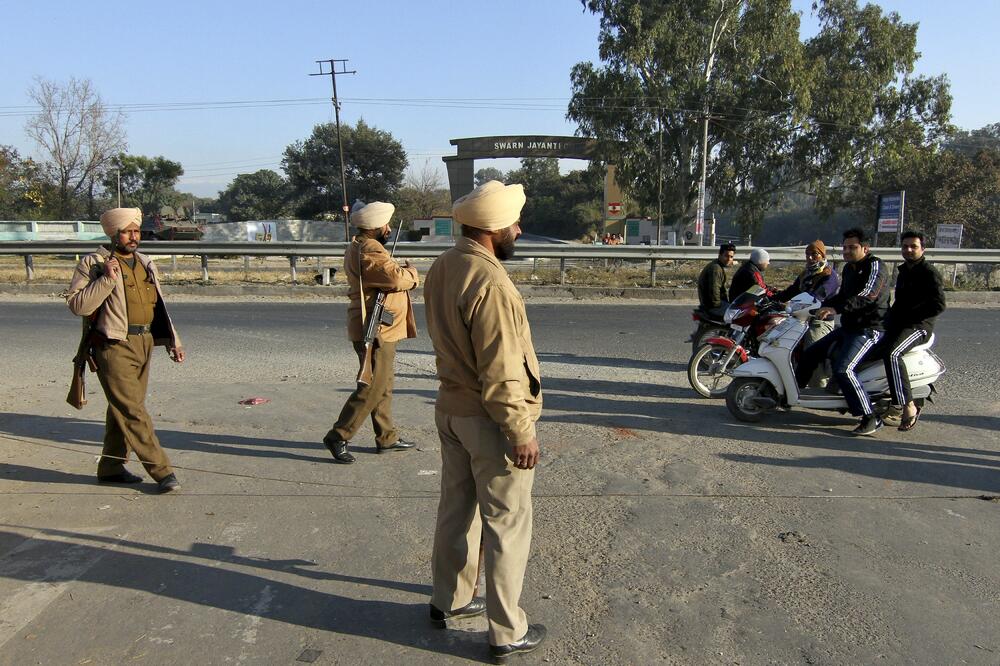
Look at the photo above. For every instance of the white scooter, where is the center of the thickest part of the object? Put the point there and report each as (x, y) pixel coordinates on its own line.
(767, 382)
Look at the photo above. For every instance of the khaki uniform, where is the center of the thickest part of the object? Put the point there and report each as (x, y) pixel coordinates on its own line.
(368, 265)
(489, 400)
(123, 359)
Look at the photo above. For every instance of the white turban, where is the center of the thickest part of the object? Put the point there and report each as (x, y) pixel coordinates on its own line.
(371, 216)
(491, 206)
(116, 219)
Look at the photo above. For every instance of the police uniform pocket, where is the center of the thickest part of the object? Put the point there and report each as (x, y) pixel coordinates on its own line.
(534, 383)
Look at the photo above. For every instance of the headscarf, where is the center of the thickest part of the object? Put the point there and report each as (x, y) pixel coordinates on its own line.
(116, 219)
(491, 206)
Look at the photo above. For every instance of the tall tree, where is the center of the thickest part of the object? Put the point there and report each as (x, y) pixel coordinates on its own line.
(487, 174)
(262, 195)
(146, 182)
(374, 163)
(562, 206)
(78, 134)
(782, 114)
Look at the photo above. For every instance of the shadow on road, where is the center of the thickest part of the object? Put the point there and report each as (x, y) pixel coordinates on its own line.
(877, 457)
(608, 362)
(91, 433)
(167, 572)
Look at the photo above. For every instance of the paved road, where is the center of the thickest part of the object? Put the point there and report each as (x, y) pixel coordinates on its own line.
(665, 531)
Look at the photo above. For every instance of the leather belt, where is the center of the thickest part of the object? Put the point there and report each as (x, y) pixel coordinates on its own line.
(138, 330)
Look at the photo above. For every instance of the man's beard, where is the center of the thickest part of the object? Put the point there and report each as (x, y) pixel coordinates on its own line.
(503, 248)
(383, 239)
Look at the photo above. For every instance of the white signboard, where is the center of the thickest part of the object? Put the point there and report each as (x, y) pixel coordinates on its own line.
(948, 236)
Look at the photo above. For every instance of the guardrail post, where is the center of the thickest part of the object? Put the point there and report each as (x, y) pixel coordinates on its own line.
(652, 272)
(326, 277)
(534, 266)
(204, 268)
(173, 262)
(954, 276)
(292, 262)
(29, 267)
(562, 270)
(246, 266)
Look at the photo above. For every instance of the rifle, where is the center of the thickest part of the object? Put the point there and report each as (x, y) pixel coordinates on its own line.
(84, 358)
(378, 316)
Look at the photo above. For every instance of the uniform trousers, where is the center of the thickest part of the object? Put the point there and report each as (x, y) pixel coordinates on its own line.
(891, 350)
(853, 346)
(123, 370)
(483, 495)
(374, 399)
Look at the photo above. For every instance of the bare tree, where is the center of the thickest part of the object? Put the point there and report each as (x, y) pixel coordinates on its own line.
(423, 195)
(78, 134)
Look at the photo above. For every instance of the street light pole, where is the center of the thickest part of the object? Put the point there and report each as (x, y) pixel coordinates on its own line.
(340, 145)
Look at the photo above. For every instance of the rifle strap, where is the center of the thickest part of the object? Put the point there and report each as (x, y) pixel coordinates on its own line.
(361, 285)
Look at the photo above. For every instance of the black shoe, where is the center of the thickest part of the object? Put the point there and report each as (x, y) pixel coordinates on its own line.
(123, 476)
(868, 425)
(532, 639)
(471, 609)
(339, 450)
(168, 484)
(400, 445)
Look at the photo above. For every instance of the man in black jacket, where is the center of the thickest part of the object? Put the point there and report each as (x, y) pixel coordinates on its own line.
(919, 299)
(712, 282)
(861, 302)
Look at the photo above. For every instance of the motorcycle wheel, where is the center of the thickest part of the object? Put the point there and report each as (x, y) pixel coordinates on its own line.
(740, 395)
(701, 336)
(708, 380)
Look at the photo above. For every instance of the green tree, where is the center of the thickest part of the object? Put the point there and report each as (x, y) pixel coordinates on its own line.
(782, 114)
(374, 164)
(262, 195)
(561, 206)
(22, 186)
(146, 182)
(487, 174)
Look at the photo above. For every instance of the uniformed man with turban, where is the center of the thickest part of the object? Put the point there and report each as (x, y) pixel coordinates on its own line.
(488, 402)
(370, 270)
(117, 291)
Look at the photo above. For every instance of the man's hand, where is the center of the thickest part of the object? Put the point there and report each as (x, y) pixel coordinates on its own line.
(526, 455)
(112, 268)
(177, 354)
(826, 313)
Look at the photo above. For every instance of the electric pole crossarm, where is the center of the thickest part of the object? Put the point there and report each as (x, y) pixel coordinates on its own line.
(334, 71)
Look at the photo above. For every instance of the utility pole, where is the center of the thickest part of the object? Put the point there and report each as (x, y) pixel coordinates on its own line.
(119, 172)
(332, 73)
(699, 220)
(659, 183)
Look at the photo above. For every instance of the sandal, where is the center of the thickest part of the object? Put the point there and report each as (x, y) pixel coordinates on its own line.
(908, 423)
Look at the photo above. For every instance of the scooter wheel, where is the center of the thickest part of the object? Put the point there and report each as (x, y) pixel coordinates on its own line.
(741, 394)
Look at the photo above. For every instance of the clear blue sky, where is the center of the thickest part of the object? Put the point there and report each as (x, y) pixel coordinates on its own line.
(484, 53)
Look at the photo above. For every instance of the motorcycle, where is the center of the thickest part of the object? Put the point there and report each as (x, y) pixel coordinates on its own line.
(709, 326)
(767, 382)
(749, 316)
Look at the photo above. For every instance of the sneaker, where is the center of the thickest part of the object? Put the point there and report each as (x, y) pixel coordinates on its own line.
(868, 425)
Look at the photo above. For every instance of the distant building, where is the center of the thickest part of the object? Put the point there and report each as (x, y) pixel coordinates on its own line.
(435, 229)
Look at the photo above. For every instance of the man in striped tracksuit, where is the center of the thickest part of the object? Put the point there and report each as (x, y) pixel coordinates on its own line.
(919, 299)
(862, 303)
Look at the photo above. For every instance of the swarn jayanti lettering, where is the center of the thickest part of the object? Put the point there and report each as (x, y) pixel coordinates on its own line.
(530, 145)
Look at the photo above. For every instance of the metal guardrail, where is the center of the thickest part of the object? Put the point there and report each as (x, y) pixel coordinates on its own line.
(294, 250)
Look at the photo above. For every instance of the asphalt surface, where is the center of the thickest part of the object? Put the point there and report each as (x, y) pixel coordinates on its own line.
(665, 531)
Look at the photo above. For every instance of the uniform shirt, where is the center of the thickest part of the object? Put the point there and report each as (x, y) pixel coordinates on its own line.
(140, 293)
(482, 342)
(379, 272)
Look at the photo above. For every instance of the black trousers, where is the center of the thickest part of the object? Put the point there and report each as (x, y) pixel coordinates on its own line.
(891, 349)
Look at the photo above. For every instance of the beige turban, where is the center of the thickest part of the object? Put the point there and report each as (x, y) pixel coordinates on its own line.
(491, 206)
(371, 216)
(116, 219)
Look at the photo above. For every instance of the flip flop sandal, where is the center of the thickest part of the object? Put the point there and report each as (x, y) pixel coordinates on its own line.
(908, 423)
